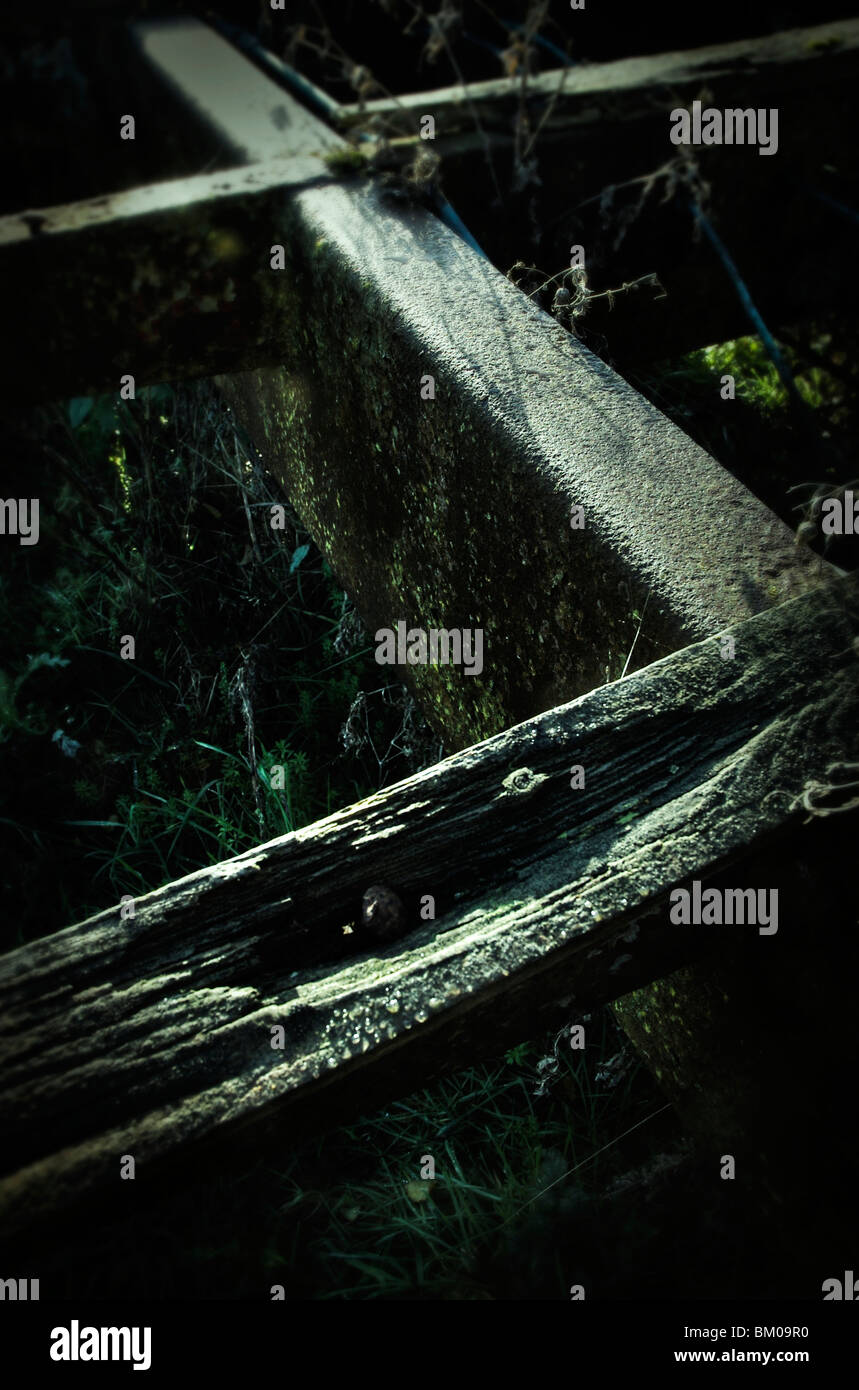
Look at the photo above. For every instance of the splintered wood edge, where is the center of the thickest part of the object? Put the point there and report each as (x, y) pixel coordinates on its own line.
(724, 747)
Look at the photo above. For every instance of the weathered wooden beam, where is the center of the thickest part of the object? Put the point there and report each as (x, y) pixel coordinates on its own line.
(143, 1034)
(175, 280)
(252, 117)
(534, 493)
(701, 305)
(458, 511)
(166, 281)
(172, 279)
(476, 486)
(631, 88)
(589, 125)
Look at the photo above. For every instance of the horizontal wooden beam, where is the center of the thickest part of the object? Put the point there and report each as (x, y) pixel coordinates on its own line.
(374, 298)
(174, 279)
(167, 281)
(145, 1034)
(603, 124)
(630, 88)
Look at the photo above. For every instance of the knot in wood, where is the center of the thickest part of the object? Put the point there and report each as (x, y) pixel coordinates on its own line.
(382, 912)
(523, 781)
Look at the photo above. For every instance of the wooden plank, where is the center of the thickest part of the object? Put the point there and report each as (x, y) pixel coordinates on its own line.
(235, 105)
(630, 88)
(374, 296)
(149, 1034)
(251, 116)
(457, 511)
(174, 280)
(166, 281)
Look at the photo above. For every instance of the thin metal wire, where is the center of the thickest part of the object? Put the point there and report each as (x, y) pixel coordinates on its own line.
(771, 347)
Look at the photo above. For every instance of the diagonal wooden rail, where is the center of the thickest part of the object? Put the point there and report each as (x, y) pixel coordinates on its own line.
(145, 1034)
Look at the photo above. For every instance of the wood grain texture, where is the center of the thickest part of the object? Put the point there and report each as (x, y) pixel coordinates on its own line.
(147, 1035)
